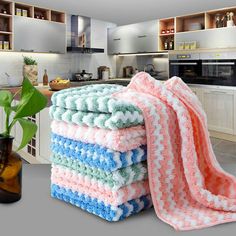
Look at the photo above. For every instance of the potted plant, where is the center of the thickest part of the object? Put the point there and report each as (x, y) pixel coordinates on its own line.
(30, 103)
(30, 70)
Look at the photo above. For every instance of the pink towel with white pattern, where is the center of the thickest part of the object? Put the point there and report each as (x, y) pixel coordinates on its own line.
(189, 189)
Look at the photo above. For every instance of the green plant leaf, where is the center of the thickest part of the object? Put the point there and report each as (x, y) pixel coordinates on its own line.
(5, 98)
(29, 130)
(32, 101)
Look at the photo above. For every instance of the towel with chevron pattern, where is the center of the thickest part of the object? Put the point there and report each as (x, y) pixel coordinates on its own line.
(99, 152)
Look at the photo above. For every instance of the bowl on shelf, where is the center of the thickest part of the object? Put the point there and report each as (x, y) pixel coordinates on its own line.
(59, 84)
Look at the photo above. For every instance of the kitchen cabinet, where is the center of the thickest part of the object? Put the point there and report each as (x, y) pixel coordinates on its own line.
(34, 35)
(44, 135)
(2, 117)
(219, 105)
(134, 38)
(209, 38)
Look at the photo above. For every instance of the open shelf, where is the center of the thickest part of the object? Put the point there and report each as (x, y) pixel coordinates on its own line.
(57, 16)
(24, 10)
(5, 7)
(5, 41)
(212, 15)
(167, 26)
(165, 42)
(190, 23)
(41, 13)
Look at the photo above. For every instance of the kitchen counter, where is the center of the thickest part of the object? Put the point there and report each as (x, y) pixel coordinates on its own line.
(38, 214)
(48, 93)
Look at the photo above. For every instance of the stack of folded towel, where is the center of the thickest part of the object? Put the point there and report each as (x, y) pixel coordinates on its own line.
(99, 153)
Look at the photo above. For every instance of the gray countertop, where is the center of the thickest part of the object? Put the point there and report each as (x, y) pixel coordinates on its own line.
(38, 214)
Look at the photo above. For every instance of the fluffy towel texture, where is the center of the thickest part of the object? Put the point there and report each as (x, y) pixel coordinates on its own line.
(121, 140)
(105, 211)
(93, 106)
(114, 180)
(189, 189)
(96, 156)
(77, 182)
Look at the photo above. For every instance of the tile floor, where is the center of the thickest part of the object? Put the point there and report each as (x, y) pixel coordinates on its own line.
(225, 152)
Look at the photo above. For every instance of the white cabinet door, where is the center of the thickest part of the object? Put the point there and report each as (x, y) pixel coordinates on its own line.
(134, 38)
(44, 135)
(219, 105)
(2, 118)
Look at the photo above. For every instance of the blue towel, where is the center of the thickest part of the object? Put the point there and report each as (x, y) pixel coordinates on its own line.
(105, 211)
(95, 155)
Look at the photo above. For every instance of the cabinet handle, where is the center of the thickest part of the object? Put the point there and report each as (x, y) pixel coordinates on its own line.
(219, 63)
(118, 39)
(25, 50)
(219, 92)
(57, 52)
(183, 63)
(142, 36)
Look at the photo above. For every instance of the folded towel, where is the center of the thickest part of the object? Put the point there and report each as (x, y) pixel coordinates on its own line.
(115, 179)
(105, 211)
(96, 156)
(113, 121)
(77, 182)
(93, 106)
(121, 140)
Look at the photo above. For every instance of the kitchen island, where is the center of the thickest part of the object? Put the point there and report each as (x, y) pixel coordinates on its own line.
(38, 214)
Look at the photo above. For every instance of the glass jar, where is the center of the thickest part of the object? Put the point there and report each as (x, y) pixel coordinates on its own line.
(10, 172)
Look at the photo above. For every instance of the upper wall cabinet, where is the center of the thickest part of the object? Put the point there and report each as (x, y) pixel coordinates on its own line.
(33, 35)
(135, 38)
(26, 28)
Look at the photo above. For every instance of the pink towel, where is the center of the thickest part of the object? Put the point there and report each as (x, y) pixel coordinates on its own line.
(189, 189)
(121, 140)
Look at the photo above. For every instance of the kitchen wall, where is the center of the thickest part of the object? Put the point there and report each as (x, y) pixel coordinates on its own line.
(62, 65)
(160, 63)
(56, 65)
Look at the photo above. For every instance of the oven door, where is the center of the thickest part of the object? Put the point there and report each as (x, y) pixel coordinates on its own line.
(187, 70)
(219, 72)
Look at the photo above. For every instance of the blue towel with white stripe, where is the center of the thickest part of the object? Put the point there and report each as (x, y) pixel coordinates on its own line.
(95, 155)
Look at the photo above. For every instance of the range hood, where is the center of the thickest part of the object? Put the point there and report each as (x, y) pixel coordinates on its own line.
(81, 36)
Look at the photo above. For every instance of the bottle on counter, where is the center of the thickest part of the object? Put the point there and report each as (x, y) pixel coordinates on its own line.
(45, 78)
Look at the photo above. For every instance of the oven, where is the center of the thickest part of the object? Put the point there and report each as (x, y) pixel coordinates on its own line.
(219, 72)
(205, 68)
(186, 66)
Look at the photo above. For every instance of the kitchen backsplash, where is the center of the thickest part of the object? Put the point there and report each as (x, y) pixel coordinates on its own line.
(160, 63)
(62, 64)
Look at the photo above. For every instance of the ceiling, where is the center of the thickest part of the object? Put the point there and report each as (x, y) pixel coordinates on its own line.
(132, 11)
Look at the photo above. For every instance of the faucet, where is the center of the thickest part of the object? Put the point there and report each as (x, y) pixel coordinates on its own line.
(149, 65)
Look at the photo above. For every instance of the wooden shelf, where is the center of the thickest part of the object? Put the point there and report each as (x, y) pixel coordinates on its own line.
(5, 32)
(163, 40)
(7, 6)
(211, 17)
(5, 15)
(42, 14)
(6, 23)
(57, 16)
(167, 35)
(166, 24)
(5, 38)
(24, 10)
(188, 23)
